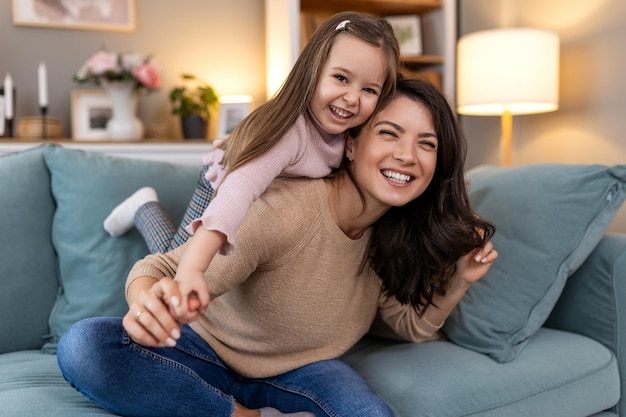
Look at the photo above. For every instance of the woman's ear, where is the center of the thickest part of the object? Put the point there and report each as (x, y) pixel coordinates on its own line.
(350, 148)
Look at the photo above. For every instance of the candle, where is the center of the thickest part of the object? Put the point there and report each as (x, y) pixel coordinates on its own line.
(43, 85)
(8, 97)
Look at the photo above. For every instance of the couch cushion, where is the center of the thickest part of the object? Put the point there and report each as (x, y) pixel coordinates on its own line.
(32, 385)
(93, 265)
(28, 264)
(548, 218)
(557, 374)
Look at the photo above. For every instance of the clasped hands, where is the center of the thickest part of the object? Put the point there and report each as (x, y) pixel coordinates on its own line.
(156, 313)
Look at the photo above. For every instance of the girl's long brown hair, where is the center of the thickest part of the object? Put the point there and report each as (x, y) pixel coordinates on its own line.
(264, 127)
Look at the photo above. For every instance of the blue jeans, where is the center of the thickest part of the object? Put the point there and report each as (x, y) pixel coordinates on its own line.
(99, 359)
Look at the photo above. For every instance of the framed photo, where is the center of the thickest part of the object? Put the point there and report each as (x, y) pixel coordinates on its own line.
(108, 15)
(233, 109)
(91, 110)
(408, 31)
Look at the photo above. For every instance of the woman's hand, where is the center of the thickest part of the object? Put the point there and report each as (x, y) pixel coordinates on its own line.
(474, 265)
(149, 320)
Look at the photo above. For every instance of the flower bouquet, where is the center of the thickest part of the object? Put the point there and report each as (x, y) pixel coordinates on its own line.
(104, 66)
(123, 75)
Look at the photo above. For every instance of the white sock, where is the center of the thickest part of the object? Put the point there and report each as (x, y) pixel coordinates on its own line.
(122, 217)
(272, 412)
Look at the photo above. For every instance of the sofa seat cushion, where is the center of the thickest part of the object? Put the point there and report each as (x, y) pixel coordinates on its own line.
(558, 373)
(28, 263)
(32, 385)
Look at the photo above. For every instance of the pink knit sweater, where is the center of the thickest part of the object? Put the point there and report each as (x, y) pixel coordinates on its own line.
(306, 150)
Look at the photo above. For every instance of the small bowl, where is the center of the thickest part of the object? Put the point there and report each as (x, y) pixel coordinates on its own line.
(32, 127)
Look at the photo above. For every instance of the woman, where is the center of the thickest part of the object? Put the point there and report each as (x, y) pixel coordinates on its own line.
(390, 235)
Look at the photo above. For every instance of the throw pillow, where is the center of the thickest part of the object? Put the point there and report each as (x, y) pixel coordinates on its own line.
(28, 263)
(548, 218)
(92, 264)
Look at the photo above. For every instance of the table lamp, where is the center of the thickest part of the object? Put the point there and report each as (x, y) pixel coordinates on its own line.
(507, 72)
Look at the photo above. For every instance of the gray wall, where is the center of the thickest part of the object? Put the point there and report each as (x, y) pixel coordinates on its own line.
(222, 41)
(590, 125)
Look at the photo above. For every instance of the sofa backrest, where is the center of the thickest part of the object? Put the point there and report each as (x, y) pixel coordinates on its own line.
(28, 268)
(58, 263)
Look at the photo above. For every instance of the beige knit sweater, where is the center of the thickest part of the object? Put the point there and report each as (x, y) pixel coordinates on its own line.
(293, 291)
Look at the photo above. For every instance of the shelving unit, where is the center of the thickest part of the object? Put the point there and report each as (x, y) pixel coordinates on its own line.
(438, 32)
(381, 7)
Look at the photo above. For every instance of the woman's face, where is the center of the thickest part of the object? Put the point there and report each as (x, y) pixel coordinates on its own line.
(395, 156)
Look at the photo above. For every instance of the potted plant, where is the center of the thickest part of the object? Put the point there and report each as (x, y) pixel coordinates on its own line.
(193, 102)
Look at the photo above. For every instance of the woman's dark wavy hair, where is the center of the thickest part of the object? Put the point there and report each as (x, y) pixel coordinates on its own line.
(414, 248)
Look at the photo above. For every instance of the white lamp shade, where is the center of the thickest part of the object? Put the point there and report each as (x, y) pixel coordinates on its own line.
(511, 69)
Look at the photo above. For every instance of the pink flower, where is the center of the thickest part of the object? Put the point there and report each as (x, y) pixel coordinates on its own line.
(102, 62)
(148, 75)
(104, 66)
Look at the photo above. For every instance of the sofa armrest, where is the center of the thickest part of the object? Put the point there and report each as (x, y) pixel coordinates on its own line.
(593, 302)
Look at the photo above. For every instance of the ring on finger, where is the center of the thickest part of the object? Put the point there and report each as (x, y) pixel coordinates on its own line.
(138, 314)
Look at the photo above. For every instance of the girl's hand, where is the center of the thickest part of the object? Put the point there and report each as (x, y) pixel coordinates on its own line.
(194, 296)
(149, 320)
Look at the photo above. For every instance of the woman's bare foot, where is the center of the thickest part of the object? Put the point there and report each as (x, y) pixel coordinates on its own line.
(241, 411)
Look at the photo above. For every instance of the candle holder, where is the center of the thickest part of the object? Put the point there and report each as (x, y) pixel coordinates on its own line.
(44, 112)
(9, 128)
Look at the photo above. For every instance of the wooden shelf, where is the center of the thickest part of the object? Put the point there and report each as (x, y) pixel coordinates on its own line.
(188, 152)
(423, 60)
(382, 7)
(4, 140)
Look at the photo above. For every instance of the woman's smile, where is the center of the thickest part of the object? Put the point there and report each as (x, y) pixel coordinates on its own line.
(397, 177)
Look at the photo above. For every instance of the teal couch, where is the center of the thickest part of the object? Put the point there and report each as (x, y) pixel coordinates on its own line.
(541, 335)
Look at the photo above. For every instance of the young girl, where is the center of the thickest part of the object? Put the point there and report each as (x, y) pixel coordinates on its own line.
(346, 70)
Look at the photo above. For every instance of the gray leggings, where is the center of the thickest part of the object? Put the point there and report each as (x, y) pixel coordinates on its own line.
(156, 227)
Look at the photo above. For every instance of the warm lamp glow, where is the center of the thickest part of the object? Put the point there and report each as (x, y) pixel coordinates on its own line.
(515, 69)
(507, 72)
(282, 41)
(235, 98)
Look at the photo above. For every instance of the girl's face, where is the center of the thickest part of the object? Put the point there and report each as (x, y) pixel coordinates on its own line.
(395, 156)
(349, 84)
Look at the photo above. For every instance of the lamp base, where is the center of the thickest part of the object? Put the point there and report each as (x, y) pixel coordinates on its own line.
(506, 124)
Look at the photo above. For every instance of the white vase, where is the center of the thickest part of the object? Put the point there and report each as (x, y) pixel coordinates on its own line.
(124, 124)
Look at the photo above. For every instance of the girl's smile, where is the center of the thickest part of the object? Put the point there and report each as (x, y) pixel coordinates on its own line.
(349, 84)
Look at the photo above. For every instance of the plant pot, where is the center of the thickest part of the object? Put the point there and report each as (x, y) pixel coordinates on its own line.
(194, 127)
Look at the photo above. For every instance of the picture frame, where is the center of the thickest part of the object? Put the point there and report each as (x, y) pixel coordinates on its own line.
(408, 31)
(103, 15)
(91, 110)
(233, 109)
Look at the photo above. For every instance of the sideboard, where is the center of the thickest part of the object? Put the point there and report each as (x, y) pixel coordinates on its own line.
(177, 151)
